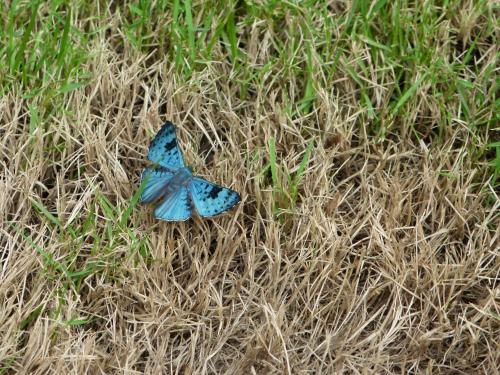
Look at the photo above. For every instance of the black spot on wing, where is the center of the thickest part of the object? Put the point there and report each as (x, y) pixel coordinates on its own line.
(164, 148)
(170, 145)
(214, 192)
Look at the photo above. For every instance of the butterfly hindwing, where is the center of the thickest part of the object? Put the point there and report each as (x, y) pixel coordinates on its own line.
(164, 149)
(155, 181)
(175, 207)
(211, 199)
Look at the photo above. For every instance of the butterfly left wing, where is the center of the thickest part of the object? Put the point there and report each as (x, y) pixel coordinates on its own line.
(175, 207)
(164, 149)
(210, 199)
(155, 180)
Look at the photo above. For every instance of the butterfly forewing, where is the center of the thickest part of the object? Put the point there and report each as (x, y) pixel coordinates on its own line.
(164, 149)
(210, 199)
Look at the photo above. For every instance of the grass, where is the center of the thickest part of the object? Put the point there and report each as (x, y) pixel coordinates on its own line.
(361, 135)
(285, 195)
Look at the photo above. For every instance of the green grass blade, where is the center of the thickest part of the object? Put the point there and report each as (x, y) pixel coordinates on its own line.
(77, 322)
(274, 165)
(190, 30)
(11, 44)
(133, 202)
(30, 318)
(404, 98)
(301, 170)
(26, 35)
(63, 48)
(309, 92)
(43, 210)
(176, 36)
(232, 37)
(34, 119)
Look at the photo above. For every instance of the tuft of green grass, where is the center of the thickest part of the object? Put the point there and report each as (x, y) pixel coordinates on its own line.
(43, 48)
(495, 163)
(286, 184)
(72, 267)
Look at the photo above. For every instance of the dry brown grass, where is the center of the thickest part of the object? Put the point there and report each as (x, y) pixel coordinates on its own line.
(386, 264)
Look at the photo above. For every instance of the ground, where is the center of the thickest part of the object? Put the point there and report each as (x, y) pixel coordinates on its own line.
(361, 135)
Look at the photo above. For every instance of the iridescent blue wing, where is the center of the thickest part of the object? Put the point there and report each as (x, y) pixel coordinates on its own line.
(175, 206)
(164, 149)
(210, 199)
(154, 180)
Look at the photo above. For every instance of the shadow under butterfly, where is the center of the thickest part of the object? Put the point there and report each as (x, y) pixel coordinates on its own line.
(173, 181)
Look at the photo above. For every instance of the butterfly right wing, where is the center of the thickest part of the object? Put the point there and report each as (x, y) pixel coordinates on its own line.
(175, 207)
(211, 199)
(164, 149)
(155, 181)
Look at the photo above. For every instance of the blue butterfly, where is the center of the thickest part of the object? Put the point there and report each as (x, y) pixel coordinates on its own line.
(171, 179)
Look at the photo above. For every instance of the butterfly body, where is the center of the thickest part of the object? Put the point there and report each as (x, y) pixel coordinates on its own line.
(175, 183)
(182, 177)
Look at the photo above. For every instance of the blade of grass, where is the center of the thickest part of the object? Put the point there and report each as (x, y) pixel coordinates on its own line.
(134, 201)
(11, 56)
(64, 42)
(43, 210)
(309, 92)
(48, 259)
(34, 119)
(6, 365)
(190, 30)
(404, 98)
(231, 35)
(71, 86)
(30, 318)
(26, 35)
(273, 164)
(301, 170)
(77, 322)
(176, 35)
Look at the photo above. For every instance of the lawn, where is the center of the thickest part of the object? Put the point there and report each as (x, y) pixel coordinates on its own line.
(361, 135)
